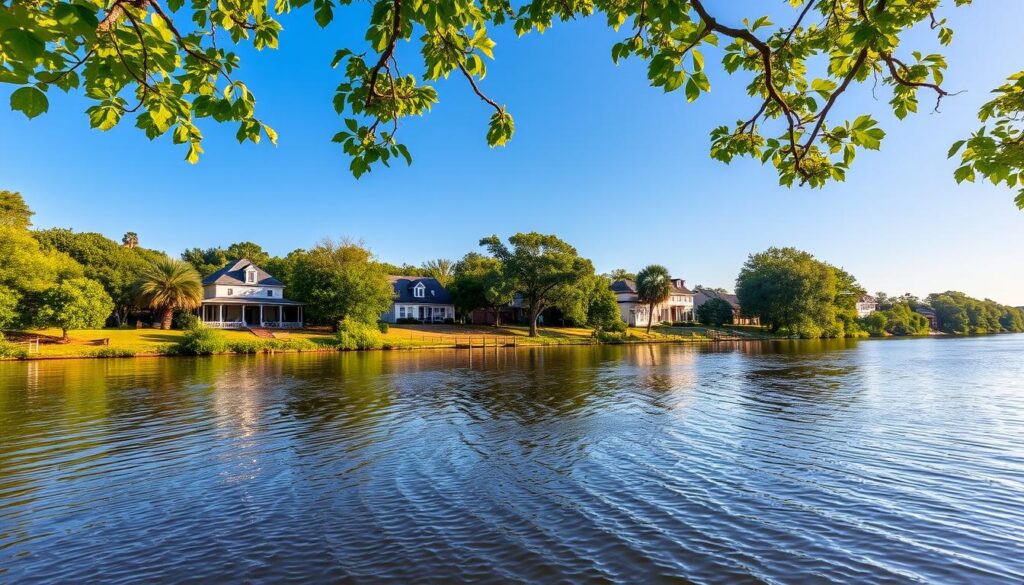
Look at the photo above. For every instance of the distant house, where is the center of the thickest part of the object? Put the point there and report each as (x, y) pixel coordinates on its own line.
(242, 295)
(514, 312)
(703, 295)
(419, 298)
(866, 305)
(933, 319)
(678, 307)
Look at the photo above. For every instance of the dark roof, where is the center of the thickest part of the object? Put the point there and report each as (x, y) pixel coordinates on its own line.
(704, 295)
(866, 298)
(435, 294)
(234, 273)
(629, 286)
(926, 311)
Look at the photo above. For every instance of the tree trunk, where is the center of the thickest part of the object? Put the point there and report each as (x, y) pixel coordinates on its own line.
(650, 317)
(166, 317)
(64, 339)
(497, 316)
(534, 315)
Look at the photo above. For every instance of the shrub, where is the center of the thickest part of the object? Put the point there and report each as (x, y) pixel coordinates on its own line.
(616, 326)
(113, 352)
(245, 346)
(408, 321)
(185, 320)
(383, 326)
(9, 349)
(355, 335)
(449, 321)
(201, 341)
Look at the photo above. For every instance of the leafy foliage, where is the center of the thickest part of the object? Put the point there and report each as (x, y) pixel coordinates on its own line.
(899, 319)
(440, 269)
(791, 289)
(78, 303)
(339, 281)
(172, 65)
(653, 287)
(715, 312)
(201, 341)
(478, 283)
(14, 212)
(961, 314)
(542, 268)
(168, 285)
(353, 335)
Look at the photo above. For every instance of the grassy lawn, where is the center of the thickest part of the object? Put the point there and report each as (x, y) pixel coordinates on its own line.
(86, 343)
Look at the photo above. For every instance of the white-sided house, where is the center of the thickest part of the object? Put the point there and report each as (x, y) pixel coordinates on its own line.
(866, 305)
(420, 298)
(678, 307)
(243, 295)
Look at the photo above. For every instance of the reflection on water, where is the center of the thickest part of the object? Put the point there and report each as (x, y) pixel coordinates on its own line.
(832, 461)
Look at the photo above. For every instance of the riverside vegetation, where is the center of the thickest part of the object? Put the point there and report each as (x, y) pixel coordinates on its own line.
(72, 281)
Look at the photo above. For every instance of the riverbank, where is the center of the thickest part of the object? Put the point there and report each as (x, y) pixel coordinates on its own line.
(124, 343)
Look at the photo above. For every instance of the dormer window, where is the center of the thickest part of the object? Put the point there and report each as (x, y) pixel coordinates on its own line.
(419, 291)
(231, 291)
(270, 293)
(250, 276)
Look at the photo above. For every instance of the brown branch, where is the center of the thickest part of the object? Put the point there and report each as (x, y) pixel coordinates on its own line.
(476, 89)
(861, 57)
(396, 30)
(68, 71)
(891, 62)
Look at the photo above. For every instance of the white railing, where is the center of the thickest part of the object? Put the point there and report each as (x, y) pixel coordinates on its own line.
(244, 324)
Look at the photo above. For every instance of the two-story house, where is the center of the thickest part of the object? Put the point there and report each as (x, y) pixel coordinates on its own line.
(419, 298)
(866, 305)
(242, 295)
(678, 307)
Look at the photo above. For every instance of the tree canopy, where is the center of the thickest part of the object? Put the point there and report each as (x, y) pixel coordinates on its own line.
(959, 313)
(172, 65)
(791, 289)
(653, 287)
(542, 268)
(78, 303)
(338, 281)
(715, 312)
(168, 285)
(477, 283)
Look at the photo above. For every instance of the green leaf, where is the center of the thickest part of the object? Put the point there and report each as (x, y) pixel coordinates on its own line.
(29, 101)
(22, 43)
(692, 90)
(955, 148)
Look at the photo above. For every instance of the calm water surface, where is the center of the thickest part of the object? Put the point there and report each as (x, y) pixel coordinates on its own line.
(792, 462)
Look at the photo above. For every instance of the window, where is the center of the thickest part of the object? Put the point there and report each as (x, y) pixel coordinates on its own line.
(419, 291)
(270, 293)
(401, 312)
(231, 291)
(250, 276)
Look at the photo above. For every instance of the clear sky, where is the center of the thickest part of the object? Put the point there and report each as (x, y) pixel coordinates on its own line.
(615, 167)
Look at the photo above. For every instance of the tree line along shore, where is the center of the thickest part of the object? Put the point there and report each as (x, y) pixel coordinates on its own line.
(87, 295)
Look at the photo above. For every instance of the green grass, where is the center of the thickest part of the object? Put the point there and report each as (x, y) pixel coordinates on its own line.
(143, 342)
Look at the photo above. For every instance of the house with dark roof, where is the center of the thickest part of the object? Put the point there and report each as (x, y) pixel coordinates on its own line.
(419, 298)
(929, 313)
(678, 307)
(704, 295)
(242, 295)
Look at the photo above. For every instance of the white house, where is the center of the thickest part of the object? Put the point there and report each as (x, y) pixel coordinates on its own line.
(866, 305)
(420, 298)
(678, 307)
(243, 295)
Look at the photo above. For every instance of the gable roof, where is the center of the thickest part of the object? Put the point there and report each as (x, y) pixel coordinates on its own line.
(629, 286)
(234, 273)
(866, 298)
(435, 294)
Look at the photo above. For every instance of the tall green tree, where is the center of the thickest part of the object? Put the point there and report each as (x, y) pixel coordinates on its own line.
(14, 212)
(130, 240)
(478, 283)
(440, 269)
(114, 266)
(209, 260)
(542, 268)
(653, 287)
(341, 280)
(170, 65)
(789, 288)
(78, 303)
(960, 314)
(168, 285)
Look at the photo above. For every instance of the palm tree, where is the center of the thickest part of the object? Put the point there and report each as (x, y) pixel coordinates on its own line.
(441, 269)
(653, 287)
(130, 240)
(169, 285)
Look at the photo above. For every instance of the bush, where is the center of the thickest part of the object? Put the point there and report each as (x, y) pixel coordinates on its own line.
(186, 321)
(383, 326)
(113, 352)
(449, 321)
(245, 346)
(408, 321)
(201, 341)
(685, 324)
(11, 350)
(354, 335)
(616, 326)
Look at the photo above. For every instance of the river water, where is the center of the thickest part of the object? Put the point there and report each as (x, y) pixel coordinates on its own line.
(784, 462)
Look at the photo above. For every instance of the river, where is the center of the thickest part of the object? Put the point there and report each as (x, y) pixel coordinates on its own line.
(781, 462)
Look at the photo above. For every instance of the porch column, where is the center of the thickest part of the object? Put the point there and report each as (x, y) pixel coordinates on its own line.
(220, 313)
(261, 315)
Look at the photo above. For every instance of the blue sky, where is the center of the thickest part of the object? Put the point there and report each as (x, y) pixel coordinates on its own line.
(615, 167)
